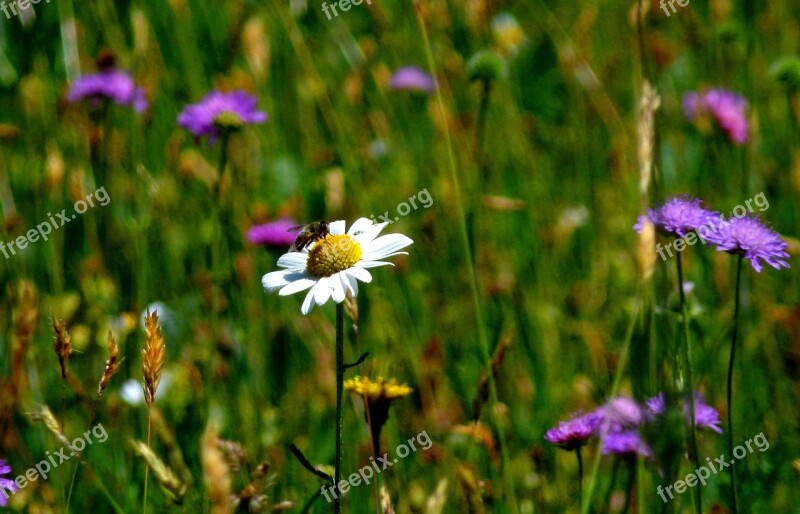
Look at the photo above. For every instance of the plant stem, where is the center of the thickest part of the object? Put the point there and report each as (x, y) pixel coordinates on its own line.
(146, 466)
(730, 377)
(217, 235)
(621, 365)
(580, 474)
(337, 470)
(480, 154)
(473, 280)
(688, 384)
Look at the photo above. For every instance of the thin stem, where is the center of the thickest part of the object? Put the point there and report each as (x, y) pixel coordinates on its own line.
(580, 474)
(376, 441)
(688, 384)
(480, 135)
(631, 484)
(473, 280)
(337, 507)
(217, 235)
(621, 365)
(146, 466)
(730, 377)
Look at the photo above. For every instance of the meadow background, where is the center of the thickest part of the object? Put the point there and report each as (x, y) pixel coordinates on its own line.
(548, 199)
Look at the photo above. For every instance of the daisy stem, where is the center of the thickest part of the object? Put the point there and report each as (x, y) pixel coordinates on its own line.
(505, 459)
(688, 385)
(730, 377)
(337, 468)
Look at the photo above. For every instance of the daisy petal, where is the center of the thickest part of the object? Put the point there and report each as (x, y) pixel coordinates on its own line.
(385, 245)
(372, 264)
(275, 280)
(369, 235)
(360, 225)
(322, 291)
(301, 284)
(345, 279)
(337, 290)
(360, 273)
(308, 303)
(336, 227)
(293, 260)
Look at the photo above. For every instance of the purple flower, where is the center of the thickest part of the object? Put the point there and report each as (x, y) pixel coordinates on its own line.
(620, 414)
(625, 444)
(112, 84)
(6, 484)
(725, 107)
(217, 110)
(657, 405)
(750, 237)
(705, 416)
(410, 78)
(274, 233)
(574, 433)
(678, 216)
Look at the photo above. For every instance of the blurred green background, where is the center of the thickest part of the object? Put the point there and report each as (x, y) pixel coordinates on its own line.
(548, 186)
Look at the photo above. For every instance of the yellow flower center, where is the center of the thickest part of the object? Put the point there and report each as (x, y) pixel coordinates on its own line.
(332, 254)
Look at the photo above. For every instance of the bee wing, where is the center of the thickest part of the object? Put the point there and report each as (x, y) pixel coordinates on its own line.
(295, 229)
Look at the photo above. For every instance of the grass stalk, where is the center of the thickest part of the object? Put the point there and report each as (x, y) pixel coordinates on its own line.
(462, 221)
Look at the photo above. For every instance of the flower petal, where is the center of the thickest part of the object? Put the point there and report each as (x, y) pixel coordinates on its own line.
(293, 260)
(360, 273)
(276, 279)
(308, 303)
(359, 226)
(384, 246)
(336, 287)
(322, 291)
(369, 235)
(300, 284)
(336, 227)
(372, 264)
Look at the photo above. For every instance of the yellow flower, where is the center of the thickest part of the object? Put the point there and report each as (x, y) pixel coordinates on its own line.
(380, 394)
(377, 390)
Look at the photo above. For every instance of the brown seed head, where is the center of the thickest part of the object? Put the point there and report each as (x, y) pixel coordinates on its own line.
(63, 345)
(112, 364)
(154, 355)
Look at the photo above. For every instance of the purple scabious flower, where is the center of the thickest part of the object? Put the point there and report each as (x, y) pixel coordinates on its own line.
(574, 433)
(678, 216)
(112, 84)
(749, 236)
(657, 405)
(229, 110)
(275, 233)
(705, 416)
(6, 484)
(411, 78)
(725, 107)
(620, 414)
(627, 443)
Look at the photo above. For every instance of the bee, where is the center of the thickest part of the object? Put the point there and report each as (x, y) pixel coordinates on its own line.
(309, 234)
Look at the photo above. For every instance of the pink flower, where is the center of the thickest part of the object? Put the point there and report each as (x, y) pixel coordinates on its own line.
(726, 108)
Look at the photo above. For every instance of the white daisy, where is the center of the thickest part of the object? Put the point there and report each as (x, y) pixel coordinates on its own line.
(333, 265)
